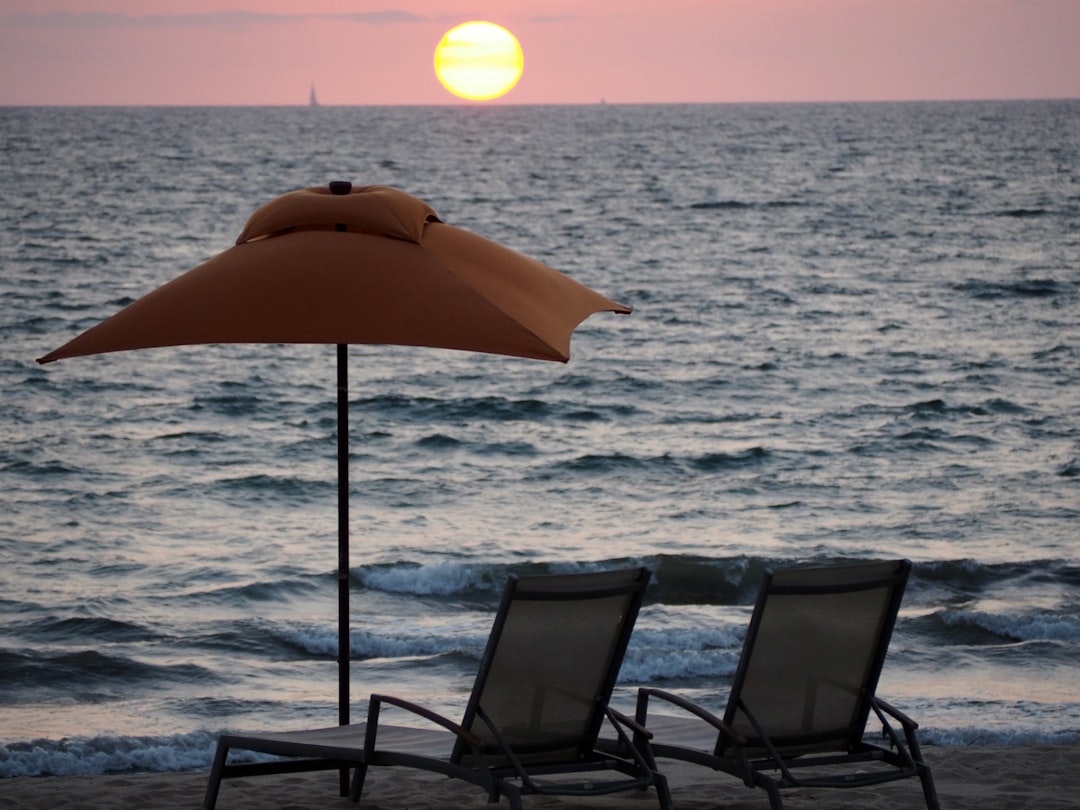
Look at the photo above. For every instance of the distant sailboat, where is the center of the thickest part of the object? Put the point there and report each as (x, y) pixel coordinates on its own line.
(313, 101)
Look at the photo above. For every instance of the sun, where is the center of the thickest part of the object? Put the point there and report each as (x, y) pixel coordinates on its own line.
(478, 60)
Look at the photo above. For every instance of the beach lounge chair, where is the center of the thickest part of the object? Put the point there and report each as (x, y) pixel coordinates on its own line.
(534, 715)
(803, 690)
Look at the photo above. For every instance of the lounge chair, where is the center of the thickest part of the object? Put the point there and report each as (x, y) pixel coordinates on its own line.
(535, 712)
(803, 690)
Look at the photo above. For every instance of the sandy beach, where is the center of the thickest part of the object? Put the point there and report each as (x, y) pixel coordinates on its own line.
(967, 777)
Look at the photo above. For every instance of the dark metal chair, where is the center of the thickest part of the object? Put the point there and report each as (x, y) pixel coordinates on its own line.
(804, 690)
(534, 715)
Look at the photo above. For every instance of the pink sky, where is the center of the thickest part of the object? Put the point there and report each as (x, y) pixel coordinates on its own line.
(269, 52)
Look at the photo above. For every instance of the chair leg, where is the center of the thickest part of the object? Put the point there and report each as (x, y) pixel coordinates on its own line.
(214, 783)
(928, 789)
(915, 752)
(357, 782)
(663, 792)
(776, 801)
(512, 794)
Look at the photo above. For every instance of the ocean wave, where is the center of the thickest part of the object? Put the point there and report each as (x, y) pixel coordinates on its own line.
(464, 579)
(939, 407)
(438, 441)
(971, 576)
(647, 668)
(401, 641)
(89, 756)
(238, 404)
(1021, 288)
(404, 409)
(1022, 213)
(259, 487)
(603, 463)
(716, 462)
(440, 579)
(1070, 469)
(696, 582)
(692, 579)
(741, 205)
(32, 469)
(321, 640)
(420, 644)
(1057, 353)
(723, 205)
(976, 735)
(1035, 626)
(517, 449)
(664, 463)
(187, 443)
(84, 673)
(678, 579)
(682, 653)
(262, 590)
(75, 628)
(267, 641)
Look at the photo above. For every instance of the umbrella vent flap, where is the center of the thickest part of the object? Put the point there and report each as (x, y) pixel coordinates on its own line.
(376, 210)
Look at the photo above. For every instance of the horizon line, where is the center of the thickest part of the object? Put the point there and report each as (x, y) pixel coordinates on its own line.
(599, 103)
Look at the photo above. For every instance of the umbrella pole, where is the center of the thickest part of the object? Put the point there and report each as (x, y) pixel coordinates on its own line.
(343, 545)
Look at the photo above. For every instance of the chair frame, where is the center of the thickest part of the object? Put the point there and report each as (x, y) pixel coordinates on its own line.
(755, 759)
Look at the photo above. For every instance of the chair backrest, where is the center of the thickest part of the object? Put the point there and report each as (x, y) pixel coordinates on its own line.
(551, 662)
(813, 654)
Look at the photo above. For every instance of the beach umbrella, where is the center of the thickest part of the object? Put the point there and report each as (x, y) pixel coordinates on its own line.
(340, 264)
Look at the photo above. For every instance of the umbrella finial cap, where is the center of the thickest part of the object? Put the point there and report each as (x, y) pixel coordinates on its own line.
(340, 187)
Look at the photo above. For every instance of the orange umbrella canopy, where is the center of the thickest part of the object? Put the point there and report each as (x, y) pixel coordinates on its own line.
(367, 264)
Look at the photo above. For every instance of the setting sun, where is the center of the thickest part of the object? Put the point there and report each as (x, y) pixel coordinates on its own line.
(478, 60)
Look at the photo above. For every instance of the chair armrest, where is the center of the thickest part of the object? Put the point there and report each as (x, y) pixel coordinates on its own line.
(427, 714)
(646, 692)
(895, 713)
(630, 723)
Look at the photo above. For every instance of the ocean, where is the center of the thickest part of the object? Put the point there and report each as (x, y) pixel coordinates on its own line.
(856, 335)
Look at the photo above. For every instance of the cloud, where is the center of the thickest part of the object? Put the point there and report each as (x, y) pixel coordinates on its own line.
(91, 20)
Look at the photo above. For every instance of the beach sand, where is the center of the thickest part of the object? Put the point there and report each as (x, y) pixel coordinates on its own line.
(983, 777)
